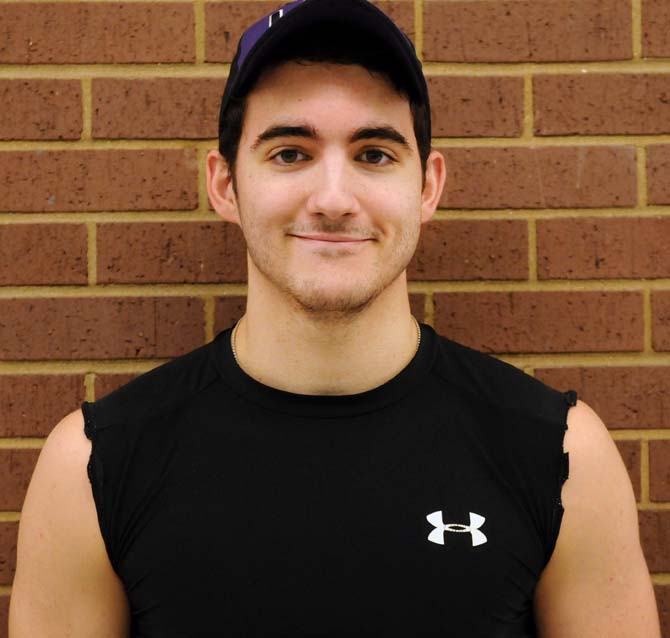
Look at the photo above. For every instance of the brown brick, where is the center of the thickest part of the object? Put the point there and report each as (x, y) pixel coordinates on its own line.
(655, 29)
(228, 310)
(99, 328)
(527, 30)
(40, 109)
(630, 453)
(49, 181)
(32, 404)
(462, 250)
(43, 254)
(4, 615)
(603, 248)
(8, 534)
(417, 305)
(96, 32)
(658, 174)
(659, 470)
(179, 252)
(560, 177)
(16, 468)
(660, 331)
(663, 603)
(106, 383)
(542, 321)
(476, 106)
(226, 21)
(654, 534)
(602, 104)
(156, 108)
(624, 397)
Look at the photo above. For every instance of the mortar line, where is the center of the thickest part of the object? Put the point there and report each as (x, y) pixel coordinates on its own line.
(644, 472)
(92, 252)
(10, 517)
(199, 31)
(571, 141)
(636, 28)
(641, 171)
(89, 385)
(86, 109)
(22, 443)
(418, 28)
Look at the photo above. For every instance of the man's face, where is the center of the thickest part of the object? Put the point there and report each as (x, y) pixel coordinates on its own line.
(327, 154)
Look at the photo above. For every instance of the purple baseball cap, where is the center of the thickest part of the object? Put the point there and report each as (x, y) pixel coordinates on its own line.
(262, 43)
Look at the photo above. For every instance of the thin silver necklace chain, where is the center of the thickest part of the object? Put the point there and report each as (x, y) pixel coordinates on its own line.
(232, 339)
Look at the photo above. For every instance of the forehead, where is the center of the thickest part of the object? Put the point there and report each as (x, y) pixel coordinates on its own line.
(333, 93)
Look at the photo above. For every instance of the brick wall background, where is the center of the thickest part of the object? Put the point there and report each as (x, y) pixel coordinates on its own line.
(551, 248)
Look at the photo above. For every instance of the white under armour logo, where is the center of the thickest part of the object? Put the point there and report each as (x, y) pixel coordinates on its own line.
(437, 535)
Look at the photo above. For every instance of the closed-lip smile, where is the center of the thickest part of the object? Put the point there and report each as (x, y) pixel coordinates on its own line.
(332, 238)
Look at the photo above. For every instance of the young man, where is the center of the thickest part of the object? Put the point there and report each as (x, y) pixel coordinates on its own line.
(330, 466)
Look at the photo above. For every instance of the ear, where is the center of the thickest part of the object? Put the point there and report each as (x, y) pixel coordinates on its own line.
(220, 188)
(436, 175)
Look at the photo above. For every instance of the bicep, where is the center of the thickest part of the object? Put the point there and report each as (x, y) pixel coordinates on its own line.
(596, 582)
(64, 584)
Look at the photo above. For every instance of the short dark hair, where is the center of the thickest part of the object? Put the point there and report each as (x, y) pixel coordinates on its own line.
(325, 45)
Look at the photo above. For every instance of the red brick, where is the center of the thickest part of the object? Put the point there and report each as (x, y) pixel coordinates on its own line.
(476, 106)
(630, 453)
(106, 383)
(16, 468)
(658, 174)
(4, 615)
(8, 534)
(228, 310)
(663, 603)
(50, 181)
(602, 104)
(417, 305)
(603, 248)
(556, 177)
(226, 21)
(100, 328)
(462, 250)
(43, 254)
(655, 29)
(654, 534)
(156, 108)
(96, 32)
(624, 397)
(659, 470)
(527, 30)
(542, 321)
(179, 252)
(660, 331)
(40, 109)
(32, 404)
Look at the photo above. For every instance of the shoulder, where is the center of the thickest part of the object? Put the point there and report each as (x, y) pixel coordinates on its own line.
(155, 392)
(495, 382)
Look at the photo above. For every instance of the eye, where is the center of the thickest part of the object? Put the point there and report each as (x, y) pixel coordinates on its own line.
(287, 156)
(376, 156)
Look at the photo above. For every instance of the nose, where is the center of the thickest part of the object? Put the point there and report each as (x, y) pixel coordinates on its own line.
(333, 189)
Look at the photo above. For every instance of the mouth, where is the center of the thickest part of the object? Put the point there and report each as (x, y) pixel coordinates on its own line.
(324, 239)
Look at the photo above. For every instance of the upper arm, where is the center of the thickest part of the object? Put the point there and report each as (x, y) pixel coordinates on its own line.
(597, 582)
(64, 584)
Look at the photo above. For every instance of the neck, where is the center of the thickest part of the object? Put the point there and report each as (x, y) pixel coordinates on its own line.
(298, 353)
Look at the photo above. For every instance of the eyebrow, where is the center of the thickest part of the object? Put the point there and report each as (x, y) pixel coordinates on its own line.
(309, 132)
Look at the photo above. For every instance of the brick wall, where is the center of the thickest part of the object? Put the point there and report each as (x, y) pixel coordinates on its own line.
(551, 248)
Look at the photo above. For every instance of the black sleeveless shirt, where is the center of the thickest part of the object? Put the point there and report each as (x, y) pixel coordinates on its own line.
(426, 506)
